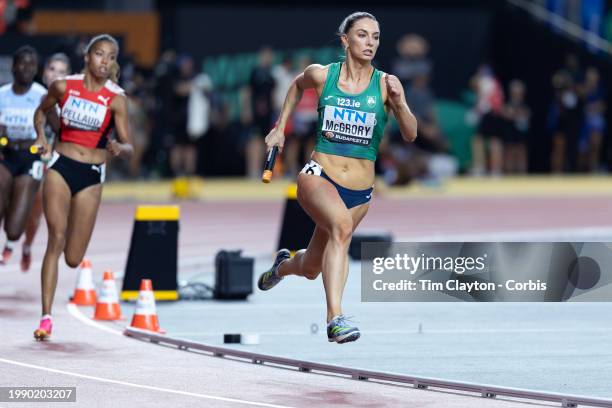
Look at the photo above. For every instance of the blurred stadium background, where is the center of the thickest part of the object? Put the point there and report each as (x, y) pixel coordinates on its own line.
(196, 71)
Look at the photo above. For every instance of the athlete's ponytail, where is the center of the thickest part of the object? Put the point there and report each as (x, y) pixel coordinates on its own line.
(115, 72)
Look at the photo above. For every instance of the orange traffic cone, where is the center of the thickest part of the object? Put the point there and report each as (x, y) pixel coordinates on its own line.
(108, 307)
(145, 316)
(84, 293)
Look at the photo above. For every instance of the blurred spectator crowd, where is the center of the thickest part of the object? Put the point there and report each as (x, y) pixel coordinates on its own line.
(576, 122)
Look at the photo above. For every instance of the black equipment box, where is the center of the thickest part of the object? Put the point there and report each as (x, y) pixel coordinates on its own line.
(233, 275)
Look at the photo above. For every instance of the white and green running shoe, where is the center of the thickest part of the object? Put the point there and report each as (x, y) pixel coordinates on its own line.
(269, 279)
(341, 331)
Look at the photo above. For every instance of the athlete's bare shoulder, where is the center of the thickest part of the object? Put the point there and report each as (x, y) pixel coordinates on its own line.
(314, 76)
(119, 102)
(316, 72)
(58, 88)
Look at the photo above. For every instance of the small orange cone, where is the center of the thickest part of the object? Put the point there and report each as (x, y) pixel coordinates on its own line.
(108, 307)
(145, 316)
(84, 293)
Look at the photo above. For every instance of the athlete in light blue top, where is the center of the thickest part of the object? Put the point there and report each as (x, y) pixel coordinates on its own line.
(57, 66)
(20, 170)
(336, 186)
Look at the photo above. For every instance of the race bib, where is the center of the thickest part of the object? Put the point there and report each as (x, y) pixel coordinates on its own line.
(19, 123)
(312, 168)
(344, 125)
(82, 114)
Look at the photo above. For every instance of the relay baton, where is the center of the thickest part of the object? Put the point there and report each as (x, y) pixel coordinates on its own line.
(34, 149)
(267, 173)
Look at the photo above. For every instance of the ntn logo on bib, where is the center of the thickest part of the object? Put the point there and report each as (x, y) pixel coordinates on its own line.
(19, 122)
(80, 113)
(17, 116)
(348, 122)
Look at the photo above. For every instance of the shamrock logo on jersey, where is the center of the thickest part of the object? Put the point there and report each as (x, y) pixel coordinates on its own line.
(371, 101)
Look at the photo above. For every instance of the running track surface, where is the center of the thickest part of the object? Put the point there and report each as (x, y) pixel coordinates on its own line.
(109, 369)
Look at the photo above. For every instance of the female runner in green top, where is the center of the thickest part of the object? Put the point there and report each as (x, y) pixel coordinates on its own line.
(336, 186)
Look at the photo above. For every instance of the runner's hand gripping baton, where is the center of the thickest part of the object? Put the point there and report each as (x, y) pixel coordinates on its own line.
(267, 173)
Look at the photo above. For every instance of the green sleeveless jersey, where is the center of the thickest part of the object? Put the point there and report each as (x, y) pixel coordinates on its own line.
(350, 125)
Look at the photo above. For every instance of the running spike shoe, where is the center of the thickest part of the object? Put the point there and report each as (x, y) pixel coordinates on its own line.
(269, 279)
(341, 330)
(44, 330)
(6, 255)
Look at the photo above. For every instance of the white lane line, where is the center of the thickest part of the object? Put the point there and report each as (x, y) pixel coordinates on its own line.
(76, 313)
(142, 386)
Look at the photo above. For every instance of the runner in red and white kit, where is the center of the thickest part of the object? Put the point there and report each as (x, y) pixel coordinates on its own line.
(91, 104)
